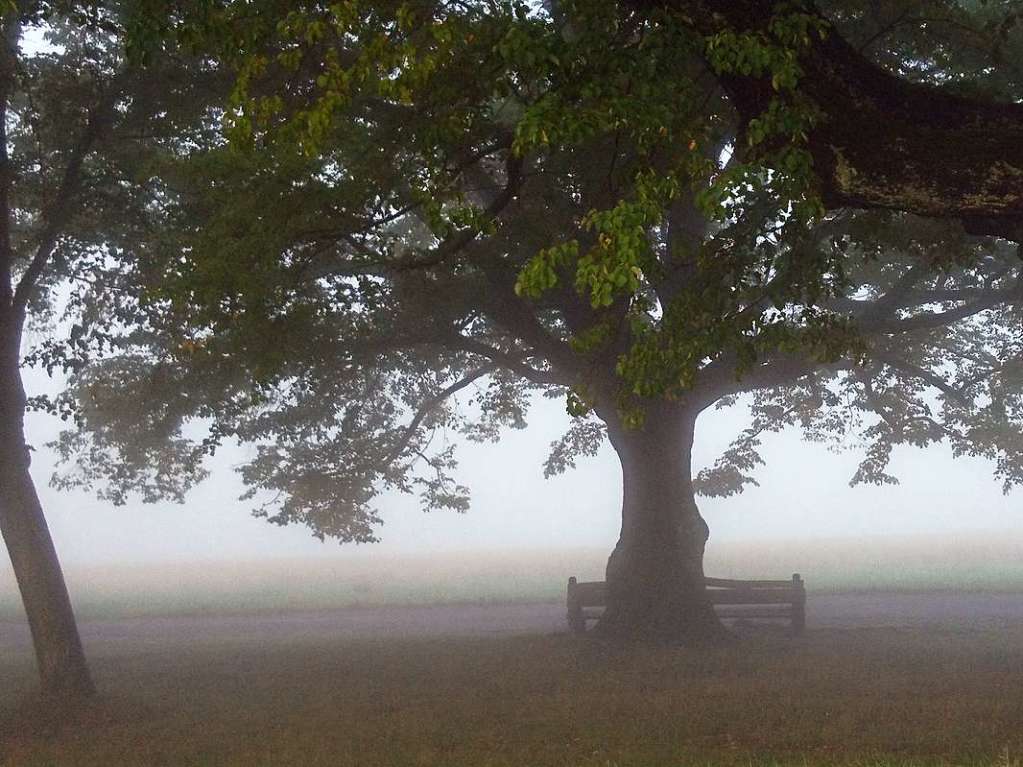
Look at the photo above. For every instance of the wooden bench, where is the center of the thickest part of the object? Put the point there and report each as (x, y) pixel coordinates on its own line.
(731, 599)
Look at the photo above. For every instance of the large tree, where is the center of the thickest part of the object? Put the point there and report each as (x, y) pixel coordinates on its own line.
(324, 294)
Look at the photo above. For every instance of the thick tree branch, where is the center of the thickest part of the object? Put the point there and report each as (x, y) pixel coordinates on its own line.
(507, 311)
(503, 359)
(719, 379)
(883, 142)
(930, 320)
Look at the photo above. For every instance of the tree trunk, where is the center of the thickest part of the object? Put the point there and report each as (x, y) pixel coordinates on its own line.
(58, 648)
(655, 582)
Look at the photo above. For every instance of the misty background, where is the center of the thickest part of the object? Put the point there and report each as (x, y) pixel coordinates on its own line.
(804, 495)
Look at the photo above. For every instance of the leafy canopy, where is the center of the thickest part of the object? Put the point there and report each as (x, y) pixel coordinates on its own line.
(419, 201)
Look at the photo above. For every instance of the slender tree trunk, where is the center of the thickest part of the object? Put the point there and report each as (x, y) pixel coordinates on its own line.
(655, 586)
(58, 648)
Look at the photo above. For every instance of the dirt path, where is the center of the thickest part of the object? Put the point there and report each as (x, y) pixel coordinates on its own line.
(970, 610)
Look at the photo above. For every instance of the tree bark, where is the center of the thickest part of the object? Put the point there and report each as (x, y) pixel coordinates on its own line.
(655, 581)
(62, 667)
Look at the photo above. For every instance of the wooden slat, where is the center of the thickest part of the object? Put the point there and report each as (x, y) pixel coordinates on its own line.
(754, 611)
(590, 592)
(726, 583)
(723, 611)
(753, 597)
(730, 597)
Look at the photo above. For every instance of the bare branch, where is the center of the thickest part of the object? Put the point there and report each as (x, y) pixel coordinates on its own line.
(924, 375)
(429, 406)
(930, 320)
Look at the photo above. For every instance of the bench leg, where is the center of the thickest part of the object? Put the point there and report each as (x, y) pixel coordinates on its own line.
(798, 619)
(576, 621)
(799, 606)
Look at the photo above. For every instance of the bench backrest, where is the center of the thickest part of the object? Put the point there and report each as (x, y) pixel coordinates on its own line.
(587, 593)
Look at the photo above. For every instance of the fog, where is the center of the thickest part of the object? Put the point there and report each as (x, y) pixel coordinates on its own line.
(803, 497)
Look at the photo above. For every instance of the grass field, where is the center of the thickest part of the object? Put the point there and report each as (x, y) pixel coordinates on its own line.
(876, 697)
(857, 697)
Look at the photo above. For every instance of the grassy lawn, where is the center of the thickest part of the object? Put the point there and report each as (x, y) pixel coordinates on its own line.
(857, 697)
